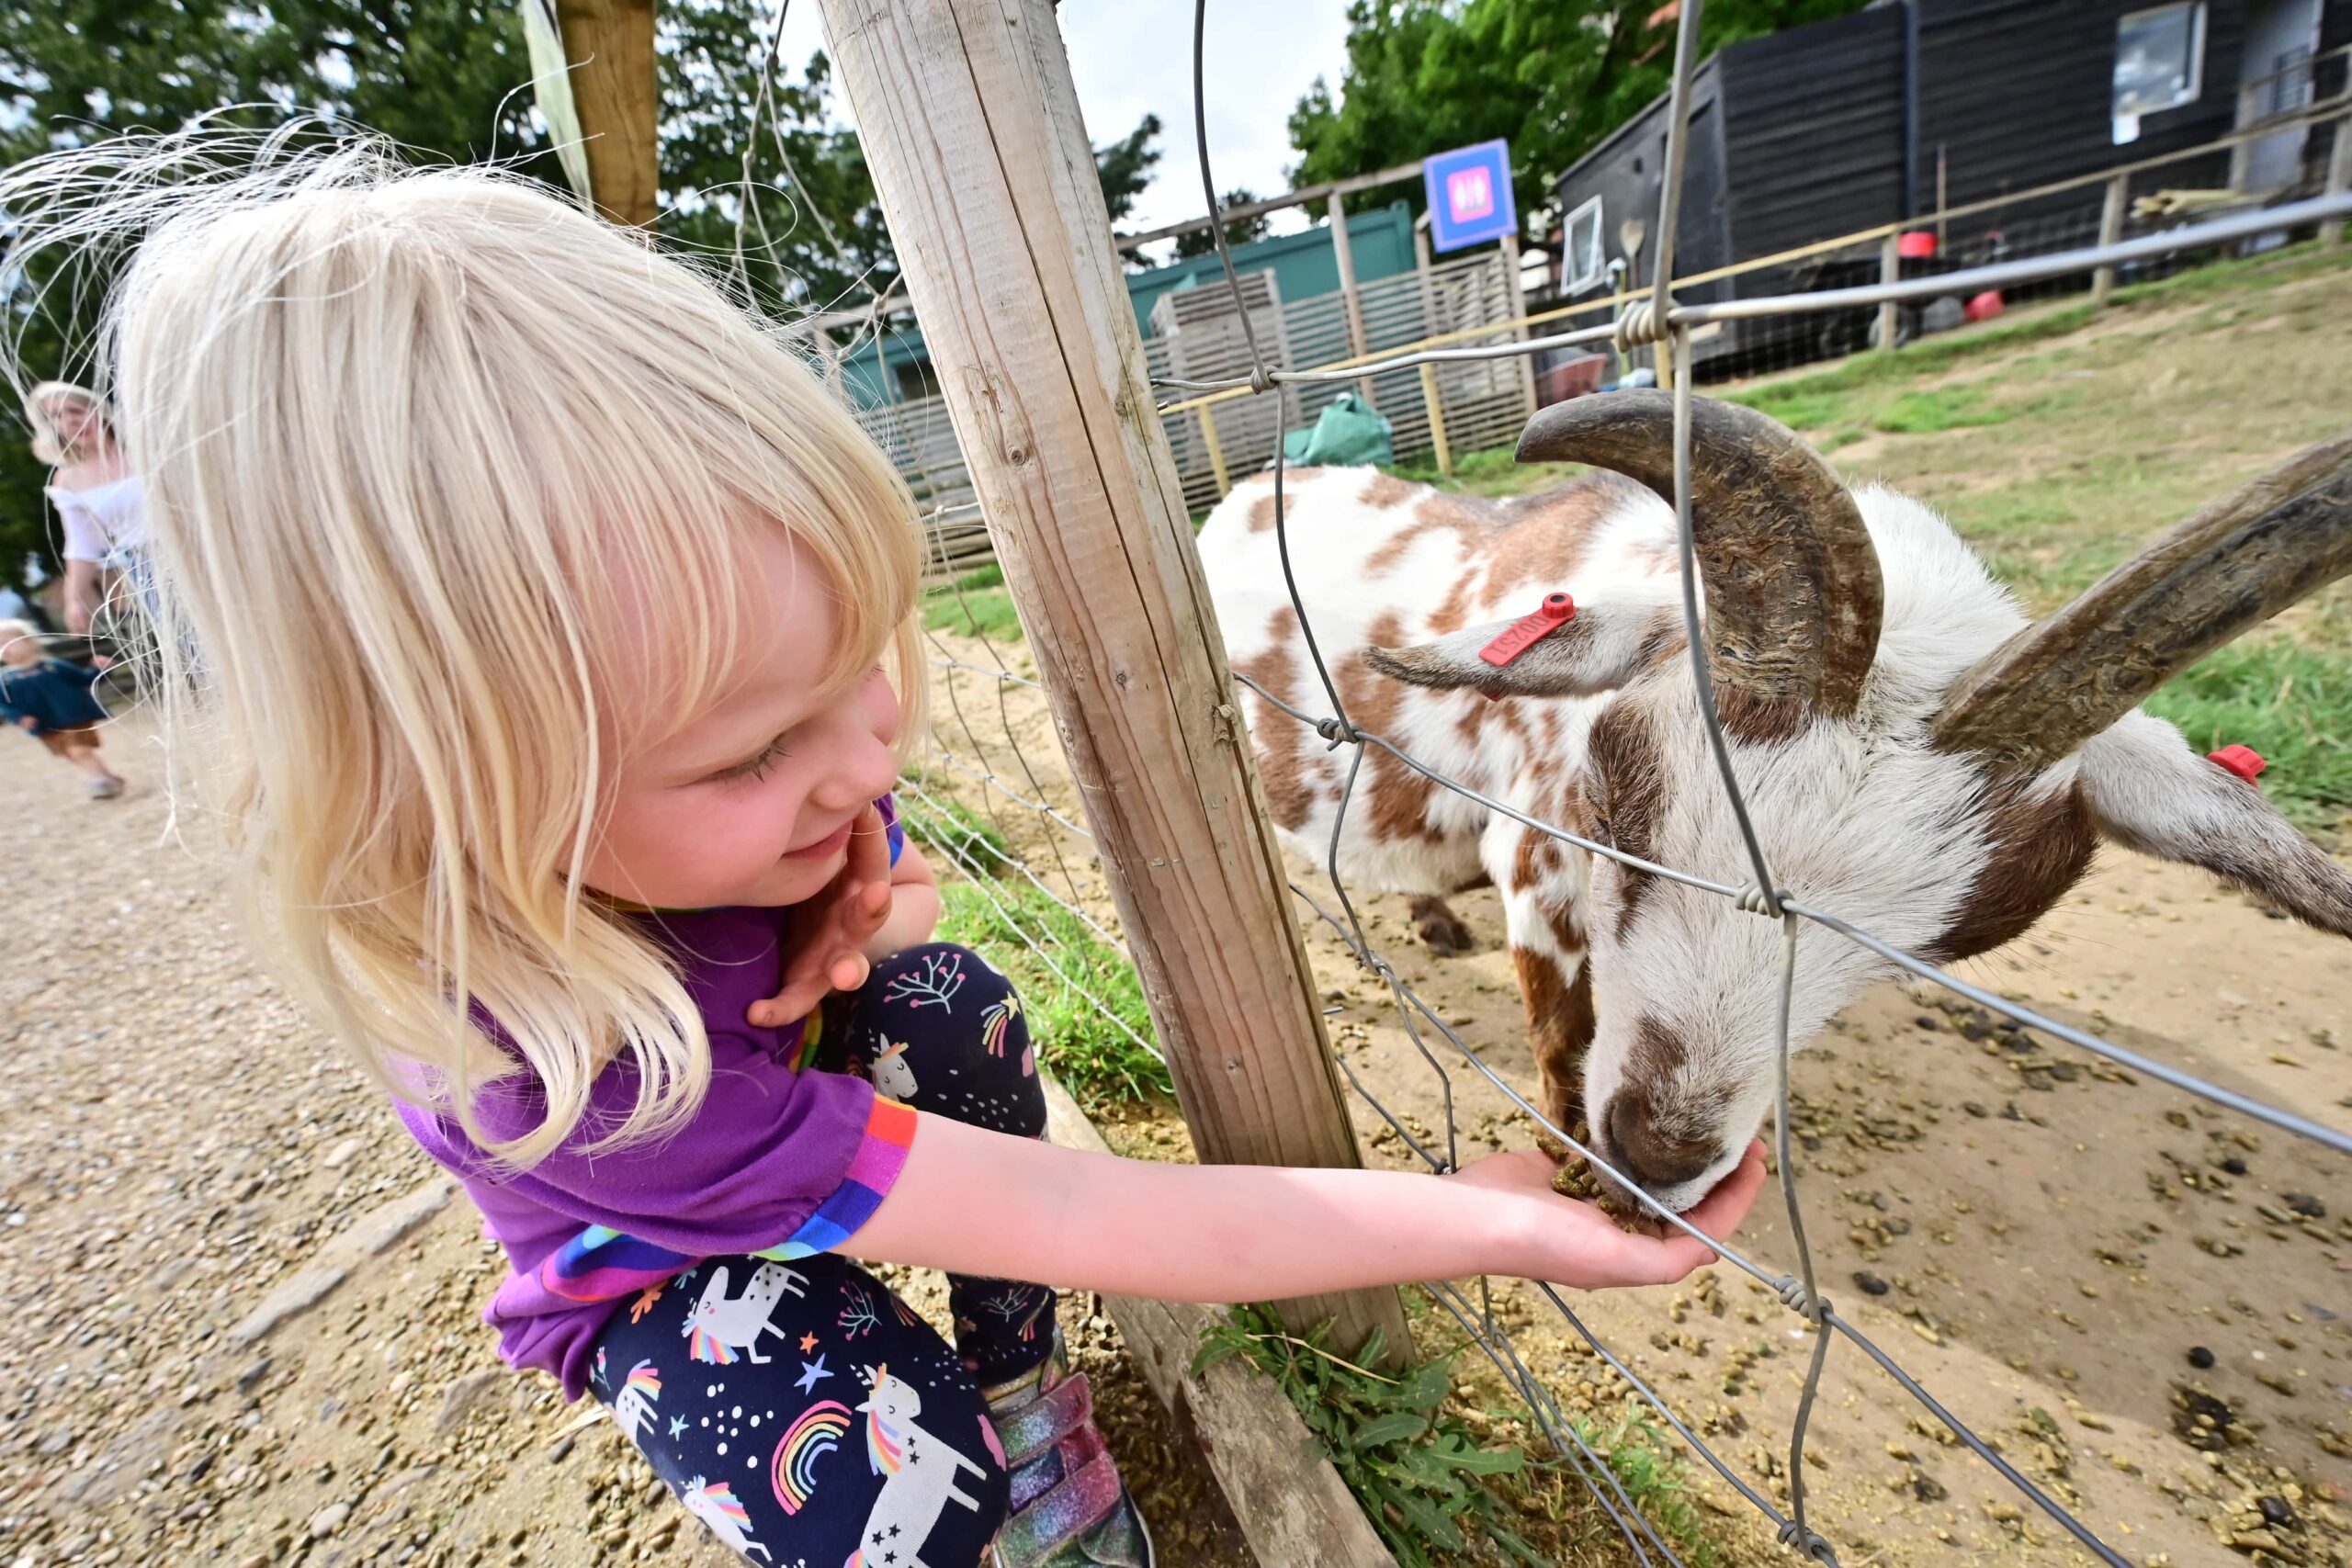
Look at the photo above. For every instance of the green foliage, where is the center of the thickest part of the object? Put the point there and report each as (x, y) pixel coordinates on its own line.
(1201, 242)
(2289, 702)
(1124, 166)
(1068, 976)
(449, 81)
(1554, 77)
(1424, 1481)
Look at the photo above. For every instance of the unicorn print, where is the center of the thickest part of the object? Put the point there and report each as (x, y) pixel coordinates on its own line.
(919, 1474)
(633, 1406)
(718, 1507)
(719, 1326)
(892, 1073)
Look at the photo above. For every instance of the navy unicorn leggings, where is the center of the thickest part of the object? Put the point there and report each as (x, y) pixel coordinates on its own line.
(849, 1432)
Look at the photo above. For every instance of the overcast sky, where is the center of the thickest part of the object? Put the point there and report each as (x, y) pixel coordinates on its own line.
(1134, 57)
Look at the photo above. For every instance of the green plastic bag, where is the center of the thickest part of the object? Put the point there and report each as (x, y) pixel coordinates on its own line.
(1349, 431)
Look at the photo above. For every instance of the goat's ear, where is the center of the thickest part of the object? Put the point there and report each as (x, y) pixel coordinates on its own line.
(1603, 645)
(2149, 791)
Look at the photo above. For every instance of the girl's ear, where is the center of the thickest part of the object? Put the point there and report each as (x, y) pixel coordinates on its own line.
(1602, 645)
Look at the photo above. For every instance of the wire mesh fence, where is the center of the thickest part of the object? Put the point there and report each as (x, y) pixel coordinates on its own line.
(2045, 251)
(990, 797)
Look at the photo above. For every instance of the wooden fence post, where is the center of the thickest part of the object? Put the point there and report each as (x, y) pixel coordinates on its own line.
(2242, 152)
(1351, 298)
(1515, 301)
(2110, 229)
(1436, 408)
(2339, 179)
(609, 46)
(1889, 271)
(972, 130)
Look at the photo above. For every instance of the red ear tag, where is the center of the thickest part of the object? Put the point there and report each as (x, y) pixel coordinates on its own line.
(2243, 760)
(1557, 610)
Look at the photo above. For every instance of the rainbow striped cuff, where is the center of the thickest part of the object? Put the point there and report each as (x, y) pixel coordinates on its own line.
(881, 1155)
(601, 1264)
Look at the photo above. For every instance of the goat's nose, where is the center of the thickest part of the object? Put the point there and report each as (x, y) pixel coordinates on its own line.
(1655, 1159)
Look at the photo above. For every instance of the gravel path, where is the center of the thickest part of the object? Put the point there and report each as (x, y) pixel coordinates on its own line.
(246, 1324)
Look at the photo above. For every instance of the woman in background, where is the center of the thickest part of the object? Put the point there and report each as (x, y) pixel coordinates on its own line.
(96, 496)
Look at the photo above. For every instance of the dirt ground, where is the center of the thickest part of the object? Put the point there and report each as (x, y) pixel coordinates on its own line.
(177, 1146)
(2044, 1243)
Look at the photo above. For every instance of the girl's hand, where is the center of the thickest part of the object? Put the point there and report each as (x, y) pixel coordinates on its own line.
(826, 936)
(1573, 1243)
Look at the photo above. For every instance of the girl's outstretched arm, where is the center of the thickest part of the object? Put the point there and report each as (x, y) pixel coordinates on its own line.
(983, 1202)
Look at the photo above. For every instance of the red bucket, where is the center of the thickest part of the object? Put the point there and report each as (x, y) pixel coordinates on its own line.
(1916, 245)
(1985, 306)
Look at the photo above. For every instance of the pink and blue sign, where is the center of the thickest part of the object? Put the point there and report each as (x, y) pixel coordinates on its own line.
(1469, 192)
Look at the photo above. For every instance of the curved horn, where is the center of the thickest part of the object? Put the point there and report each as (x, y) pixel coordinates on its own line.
(1792, 584)
(2052, 686)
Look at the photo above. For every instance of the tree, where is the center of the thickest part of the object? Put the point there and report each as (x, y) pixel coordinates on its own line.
(1125, 165)
(1553, 77)
(756, 174)
(1201, 242)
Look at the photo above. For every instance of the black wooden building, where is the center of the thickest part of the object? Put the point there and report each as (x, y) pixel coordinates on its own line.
(1867, 120)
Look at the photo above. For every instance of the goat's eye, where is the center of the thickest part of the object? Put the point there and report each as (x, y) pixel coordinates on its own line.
(1601, 833)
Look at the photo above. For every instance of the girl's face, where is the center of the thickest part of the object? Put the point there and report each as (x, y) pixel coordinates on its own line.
(753, 800)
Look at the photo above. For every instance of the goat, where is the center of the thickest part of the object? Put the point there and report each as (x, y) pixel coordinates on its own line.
(1915, 757)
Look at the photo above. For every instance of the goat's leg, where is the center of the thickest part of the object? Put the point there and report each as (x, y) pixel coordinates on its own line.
(1542, 883)
(1558, 994)
(1445, 932)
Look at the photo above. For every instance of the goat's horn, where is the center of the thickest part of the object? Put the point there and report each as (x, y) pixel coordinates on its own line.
(2052, 686)
(1792, 584)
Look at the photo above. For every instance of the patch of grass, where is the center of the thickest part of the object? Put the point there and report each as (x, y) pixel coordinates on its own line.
(1444, 1483)
(1933, 409)
(981, 611)
(956, 831)
(1073, 1000)
(1077, 989)
(2289, 702)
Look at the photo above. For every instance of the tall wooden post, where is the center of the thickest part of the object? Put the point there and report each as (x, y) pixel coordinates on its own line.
(1890, 315)
(2242, 152)
(1515, 301)
(972, 130)
(2110, 229)
(608, 45)
(1351, 300)
(2339, 180)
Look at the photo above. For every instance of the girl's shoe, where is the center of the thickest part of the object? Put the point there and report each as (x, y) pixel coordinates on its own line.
(105, 789)
(1070, 1509)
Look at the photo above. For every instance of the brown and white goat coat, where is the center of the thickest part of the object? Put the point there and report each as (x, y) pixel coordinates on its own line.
(1650, 1004)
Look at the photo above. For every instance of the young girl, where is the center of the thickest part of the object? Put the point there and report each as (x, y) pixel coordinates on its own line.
(559, 627)
(51, 700)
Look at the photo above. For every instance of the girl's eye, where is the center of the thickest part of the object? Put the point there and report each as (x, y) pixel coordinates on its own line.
(756, 767)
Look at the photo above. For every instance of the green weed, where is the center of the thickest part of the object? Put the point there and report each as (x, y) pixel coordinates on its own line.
(1437, 1490)
(1425, 1484)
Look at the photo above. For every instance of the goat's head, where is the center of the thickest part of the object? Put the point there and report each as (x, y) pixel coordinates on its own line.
(1913, 757)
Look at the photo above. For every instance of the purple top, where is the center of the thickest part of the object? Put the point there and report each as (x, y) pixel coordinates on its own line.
(781, 1161)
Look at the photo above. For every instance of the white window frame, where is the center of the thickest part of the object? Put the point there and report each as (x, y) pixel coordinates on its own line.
(1572, 281)
(2194, 88)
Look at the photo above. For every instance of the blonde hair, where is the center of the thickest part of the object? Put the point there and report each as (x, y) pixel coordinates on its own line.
(13, 632)
(48, 445)
(410, 439)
